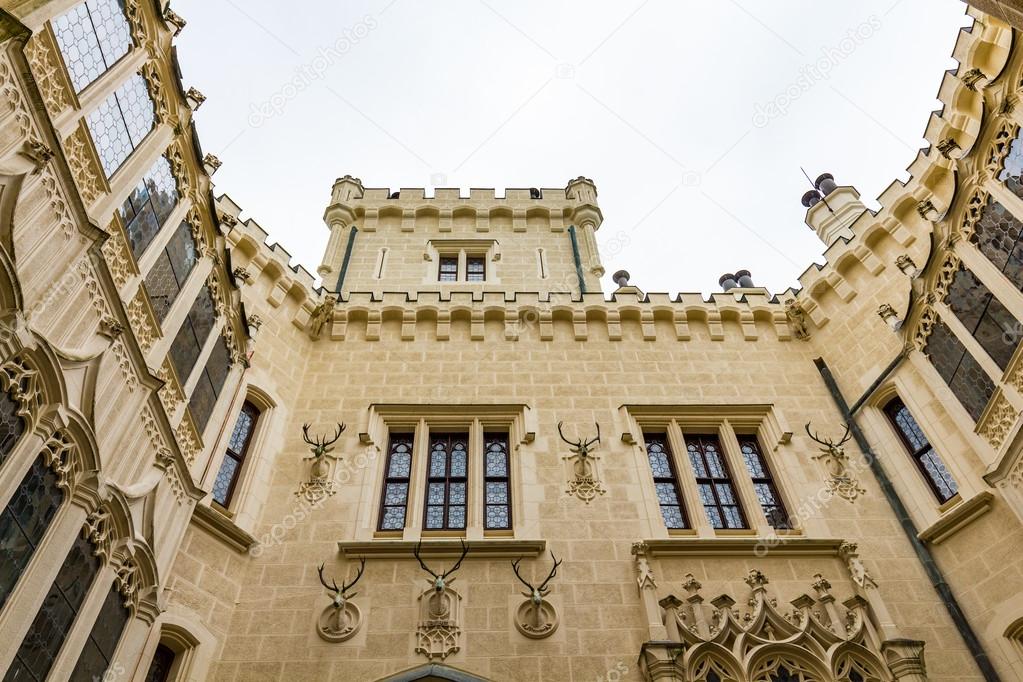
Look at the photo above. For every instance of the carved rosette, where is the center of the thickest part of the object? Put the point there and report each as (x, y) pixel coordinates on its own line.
(84, 164)
(339, 623)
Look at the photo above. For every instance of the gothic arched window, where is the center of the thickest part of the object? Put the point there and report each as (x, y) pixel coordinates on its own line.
(92, 37)
(927, 460)
(994, 327)
(397, 477)
(714, 481)
(662, 466)
(963, 374)
(496, 482)
(24, 522)
(234, 458)
(162, 665)
(99, 649)
(446, 488)
(11, 425)
(49, 629)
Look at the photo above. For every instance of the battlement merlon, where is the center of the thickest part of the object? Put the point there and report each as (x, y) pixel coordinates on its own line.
(354, 205)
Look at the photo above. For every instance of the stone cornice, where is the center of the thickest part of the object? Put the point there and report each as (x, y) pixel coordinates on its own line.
(957, 518)
(446, 548)
(746, 546)
(223, 528)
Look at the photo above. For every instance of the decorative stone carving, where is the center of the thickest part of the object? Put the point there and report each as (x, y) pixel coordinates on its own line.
(840, 480)
(584, 482)
(188, 439)
(211, 163)
(84, 164)
(170, 393)
(245, 276)
(97, 531)
(194, 98)
(322, 315)
(972, 78)
(61, 454)
(998, 421)
(110, 327)
(126, 578)
(133, 11)
(174, 19)
(119, 259)
(438, 634)
(146, 329)
(948, 148)
(858, 572)
(536, 617)
(797, 319)
(342, 619)
(19, 380)
(927, 210)
(48, 72)
(321, 481)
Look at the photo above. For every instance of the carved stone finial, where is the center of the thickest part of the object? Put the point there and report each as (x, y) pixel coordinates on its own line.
(927, 210)
(255, 321)
(973, 77)
(194, 98)
(211, 163)
(174, 19)
(906, 265)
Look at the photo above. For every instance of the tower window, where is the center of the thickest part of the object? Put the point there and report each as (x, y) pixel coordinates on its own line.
(448, 269)
(665, 480)
(714, 482)
(927, 460)
(476, 269)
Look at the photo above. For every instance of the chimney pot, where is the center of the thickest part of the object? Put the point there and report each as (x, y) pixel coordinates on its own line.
(744, 279)
(727, 281)
(825, 183)
(621, 278)
(811, 198)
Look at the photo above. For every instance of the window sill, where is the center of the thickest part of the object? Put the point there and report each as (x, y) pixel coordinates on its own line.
(956, 518)
(433, 546)
(743, 546)
(735, 532)
(682, 532)
(219, 524)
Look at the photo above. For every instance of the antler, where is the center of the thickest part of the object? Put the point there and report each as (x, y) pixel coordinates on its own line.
(305, 435)
(576, 444)
(445, 574)
(340, 429)
(846, 436)
(465, 550)
(515, 567)
(422, 563)
(348, 586)
(333, 586)
(828, 443)
(550, 576)
(319, 442)
(595, 440)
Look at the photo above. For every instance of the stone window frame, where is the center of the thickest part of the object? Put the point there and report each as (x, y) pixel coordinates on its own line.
(889, 408)
(517, 420)
(728, 423)
(462, 249)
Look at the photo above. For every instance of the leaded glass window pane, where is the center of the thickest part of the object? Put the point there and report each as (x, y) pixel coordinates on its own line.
(24, 522)
(496, 482)
(446, 482)
(476, 269)
(237, 449)
(996, 232)
(225, 479)
(106, 633)
(396, 484)
(53, 621)
(149, 205)
(448, 269)
(1012, 167)
(92, 37)
(927, 459)
(714, 482)
(984, 316)
(204, 396)
(160, 667)
(967, 379)
(188, 342)
(665, 482)
(11, 425)
(763, 483)
(121, 122)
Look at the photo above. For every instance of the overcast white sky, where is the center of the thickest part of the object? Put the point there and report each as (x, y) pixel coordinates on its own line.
(693, 118)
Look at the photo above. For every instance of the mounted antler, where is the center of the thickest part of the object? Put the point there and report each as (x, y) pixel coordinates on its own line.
(340, 594)
(438, 582)
(321, 446)
(536, 594)
(827, 442)
(580, 447)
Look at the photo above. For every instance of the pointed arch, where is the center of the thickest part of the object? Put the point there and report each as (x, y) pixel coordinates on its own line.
(434, 672)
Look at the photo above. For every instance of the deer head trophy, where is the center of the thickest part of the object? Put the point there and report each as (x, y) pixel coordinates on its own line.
(320, 448)
(439, 605)
(536, 617)
(342, 618)
(584, 483)
(841, 481)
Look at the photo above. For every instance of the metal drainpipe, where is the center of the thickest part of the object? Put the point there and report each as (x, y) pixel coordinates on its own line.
(578, 261)
(937, 579)
(348, 257)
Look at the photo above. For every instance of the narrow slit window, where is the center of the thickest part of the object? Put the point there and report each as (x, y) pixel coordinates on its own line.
(496, 482)
(938, 477)
(237, 450)
(448, 269)
(669, 496)
(380, 265)
(763, 483)
(446, 482)
(541, 263)
(394, 502)
(714, 481)
(476, 269)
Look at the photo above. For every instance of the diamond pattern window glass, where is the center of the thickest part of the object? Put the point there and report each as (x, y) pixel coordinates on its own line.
(168, 274)
(397, 475)
(984, 316)
(1012, 167)
(997, 235)
(120, 123)
(662, 466)
(24, 522)
(763, 483)
(714, 482)
(106, 632)
(476, 269)
(969, 382)
(446, 482)
(92, 37)
(149, 205)
(53, 621)
(11, 425)
(211, 382)
(188, 342)
(938, 477)
(237, 450)
(496, 483)
(448, 269)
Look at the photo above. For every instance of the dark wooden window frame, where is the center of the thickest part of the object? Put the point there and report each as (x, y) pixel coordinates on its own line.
(480, 276)
(714, 482)
(442, 273)
(768, 479)
(407, 480)
(674, 480)
(506, 479)
(239, 457)
(447, 480)
(891, 408)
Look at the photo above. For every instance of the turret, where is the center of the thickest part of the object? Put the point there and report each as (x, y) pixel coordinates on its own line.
(338, 217)
(587, 217)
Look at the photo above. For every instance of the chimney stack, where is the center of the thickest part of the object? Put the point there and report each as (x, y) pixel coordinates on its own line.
(832, 209)
(727, 281)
